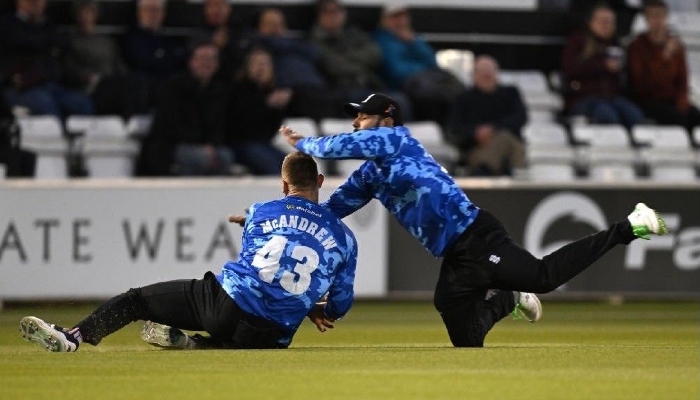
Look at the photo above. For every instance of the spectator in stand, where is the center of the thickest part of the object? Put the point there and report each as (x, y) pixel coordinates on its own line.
(31, 48)
(658, 71)
(94, 66)
(409, 64)
(255, 113)
(296, 67)
(227, 36)
(486, 123)
(593, 63)
(148, 51)
(350, 59)
(188, 133)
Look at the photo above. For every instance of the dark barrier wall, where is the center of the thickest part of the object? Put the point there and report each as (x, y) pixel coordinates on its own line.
(545, 219)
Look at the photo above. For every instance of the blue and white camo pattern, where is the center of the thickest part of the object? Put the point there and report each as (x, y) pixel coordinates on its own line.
(404, 177)
(286, 234)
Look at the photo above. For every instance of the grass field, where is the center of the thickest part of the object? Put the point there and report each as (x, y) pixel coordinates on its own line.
(382, 351)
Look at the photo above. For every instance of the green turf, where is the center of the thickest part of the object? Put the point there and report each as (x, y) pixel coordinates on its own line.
(383, 351)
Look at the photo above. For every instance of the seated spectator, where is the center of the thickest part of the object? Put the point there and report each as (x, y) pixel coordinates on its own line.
(31, 48)
(148, 51)
(295, 62)
(255, 113)
(230, 39)
(409, 64)
(187, 137)
(94, 66)
(658, 71)
(592, 63)
(350, 59)
(486, 123)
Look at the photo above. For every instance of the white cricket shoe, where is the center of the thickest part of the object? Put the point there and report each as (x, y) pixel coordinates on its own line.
(528, 307)
(646, 221)
(165, 336)
(49, 336)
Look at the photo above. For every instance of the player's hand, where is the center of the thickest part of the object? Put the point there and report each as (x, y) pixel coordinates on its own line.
(292, 136)
(318, 317)
(237, 219)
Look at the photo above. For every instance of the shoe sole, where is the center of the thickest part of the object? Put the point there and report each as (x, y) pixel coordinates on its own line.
(35, 330)
(539, 307)
(663, 229)
(148, 336)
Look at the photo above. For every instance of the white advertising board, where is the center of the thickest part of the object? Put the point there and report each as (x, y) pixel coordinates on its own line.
(96, 239)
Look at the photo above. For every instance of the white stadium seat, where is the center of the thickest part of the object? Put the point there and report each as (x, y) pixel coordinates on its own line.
(532, 85)
(609, 154)
(107, 148)
(334, 126)
(547, 142)
(669, 153)
(139, 126)
(430, 135)
(459, 62)
(548, 152)
(44, 136)
(540, 116)
(307, 127)
(544, 172)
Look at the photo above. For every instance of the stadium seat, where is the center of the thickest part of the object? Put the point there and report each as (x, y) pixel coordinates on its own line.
(305, 126)
(526, 81)
(459, 62)
(430, 135)
(44, 136)
(608, 152)
(548, 152)
(669, 153)
(139, 126)
(611, 173)
(334, 126)
(540, 116)
(107, 148)
(545, 172)
(534, 89)
(547, 142)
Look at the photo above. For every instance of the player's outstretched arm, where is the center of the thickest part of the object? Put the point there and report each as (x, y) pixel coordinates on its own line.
(237, 219)
(292, 136)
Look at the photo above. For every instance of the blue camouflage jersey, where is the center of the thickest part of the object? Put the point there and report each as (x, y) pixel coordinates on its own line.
(293, 252)
(404, 177)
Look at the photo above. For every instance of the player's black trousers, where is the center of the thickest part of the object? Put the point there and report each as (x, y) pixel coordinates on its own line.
(486, 257)
(193, 304)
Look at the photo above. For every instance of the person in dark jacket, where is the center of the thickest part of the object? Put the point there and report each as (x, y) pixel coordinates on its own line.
(32, 48)
(148, 51)
(593, 62)
(188, 133)
(227, 33)
(256, 110)
(296, 67)
(659, 72)
(486, 122)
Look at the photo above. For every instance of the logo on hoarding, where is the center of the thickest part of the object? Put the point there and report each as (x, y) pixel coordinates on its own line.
(682, 244)
(575, 206)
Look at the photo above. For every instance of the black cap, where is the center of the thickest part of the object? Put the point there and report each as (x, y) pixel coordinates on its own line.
(376, 104)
